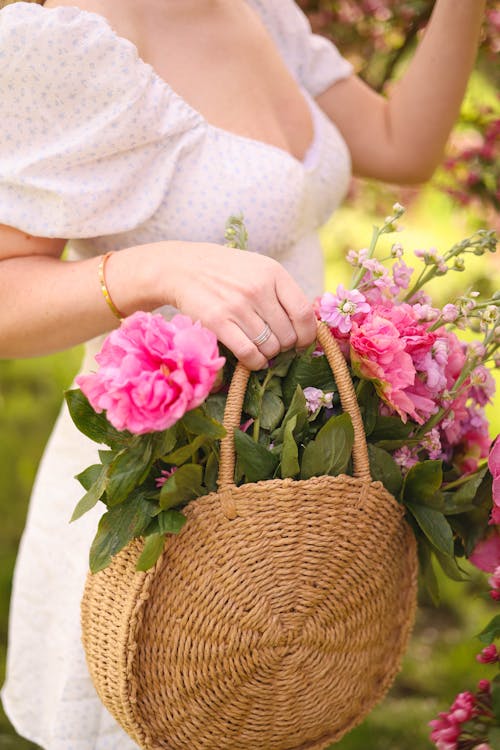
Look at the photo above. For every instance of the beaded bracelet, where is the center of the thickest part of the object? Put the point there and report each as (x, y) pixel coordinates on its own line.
(104, 288)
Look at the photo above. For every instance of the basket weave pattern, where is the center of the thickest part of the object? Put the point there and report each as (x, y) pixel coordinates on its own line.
(275, 620)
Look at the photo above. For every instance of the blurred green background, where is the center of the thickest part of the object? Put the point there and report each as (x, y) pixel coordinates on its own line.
(441, 659)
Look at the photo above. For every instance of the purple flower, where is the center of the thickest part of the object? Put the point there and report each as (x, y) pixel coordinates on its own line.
(401, 273)
(316, 398)
(338, 310)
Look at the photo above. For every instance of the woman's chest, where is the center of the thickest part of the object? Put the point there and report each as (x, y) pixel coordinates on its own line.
(221, 59)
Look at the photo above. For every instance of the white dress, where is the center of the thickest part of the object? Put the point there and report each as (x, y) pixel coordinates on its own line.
(96, 147)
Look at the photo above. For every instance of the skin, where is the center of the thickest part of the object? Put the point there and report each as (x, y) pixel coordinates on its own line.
(58, 304)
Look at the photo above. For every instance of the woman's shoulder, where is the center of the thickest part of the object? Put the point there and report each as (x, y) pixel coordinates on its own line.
(84, 122)
(121, 17)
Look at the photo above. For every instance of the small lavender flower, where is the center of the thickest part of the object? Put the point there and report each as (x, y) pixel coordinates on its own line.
(316, 398)
(450, 313)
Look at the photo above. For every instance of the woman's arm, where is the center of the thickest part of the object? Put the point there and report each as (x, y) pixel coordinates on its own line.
(402, 138)
(48, 304)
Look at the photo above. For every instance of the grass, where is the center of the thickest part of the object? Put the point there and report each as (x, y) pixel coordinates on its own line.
(441, 658)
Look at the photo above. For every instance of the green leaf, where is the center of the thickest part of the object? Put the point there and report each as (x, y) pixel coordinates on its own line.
(186, 452)
(390, 428)
(297, 410)
(198, 424)
(435, 527)
(117, 527)
(89, 476)
(422, 484)
(153, 547)
(184, 485)
(211, 472)
(491, 632)
(495, 698)
(368, 401)
(462, 499)
(450, 567)
(214, 406)
(254, 460)
(471, 527)
(290, 466)
(94, 492)
(164, 442)
(106, 456)
(281, 363)
(427, 571)
(171, 521)
(384, 469)
(330, 452)
(128, 470)
(93, 425)
(307, 370)
(271, 411)
(253, 396)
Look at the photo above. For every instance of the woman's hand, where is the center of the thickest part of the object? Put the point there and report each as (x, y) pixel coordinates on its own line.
(236, 293)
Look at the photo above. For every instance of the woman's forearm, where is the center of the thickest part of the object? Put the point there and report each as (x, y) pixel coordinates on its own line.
(49, 304)
(402, 138)
(423, 106)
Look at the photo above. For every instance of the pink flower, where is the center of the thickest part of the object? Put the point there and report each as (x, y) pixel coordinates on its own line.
(484, 686)
(405, 458)
(486, 554)
(494, 467)
(339, 310)
(450, 313)
(494, 581)
(483, 746)
(401, 273)
(152, 371)
(482, 385)
(447, 728)
(378, 354)
(488, 655)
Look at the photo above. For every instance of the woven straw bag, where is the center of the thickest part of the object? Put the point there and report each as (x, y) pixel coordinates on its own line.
(275, 620)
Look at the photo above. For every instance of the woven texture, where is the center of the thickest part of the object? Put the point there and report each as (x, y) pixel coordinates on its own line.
(275, 620)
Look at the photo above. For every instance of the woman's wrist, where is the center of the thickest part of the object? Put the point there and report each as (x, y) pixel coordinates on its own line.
(143, 277)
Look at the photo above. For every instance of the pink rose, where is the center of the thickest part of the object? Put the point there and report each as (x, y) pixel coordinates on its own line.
(152, 371)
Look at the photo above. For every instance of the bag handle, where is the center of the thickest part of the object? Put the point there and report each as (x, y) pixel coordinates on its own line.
(236, 396)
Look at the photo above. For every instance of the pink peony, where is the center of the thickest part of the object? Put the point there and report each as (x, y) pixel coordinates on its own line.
(152, 371)
(486, 554)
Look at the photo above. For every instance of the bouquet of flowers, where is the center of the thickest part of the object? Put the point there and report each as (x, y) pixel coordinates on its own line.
(157, 402)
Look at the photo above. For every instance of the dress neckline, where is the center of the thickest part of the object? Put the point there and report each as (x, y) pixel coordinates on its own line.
(309, 160)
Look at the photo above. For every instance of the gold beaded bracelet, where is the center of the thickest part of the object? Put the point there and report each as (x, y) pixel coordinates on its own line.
(104, 288)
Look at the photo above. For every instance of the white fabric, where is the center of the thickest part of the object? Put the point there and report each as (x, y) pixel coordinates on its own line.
(96, 147)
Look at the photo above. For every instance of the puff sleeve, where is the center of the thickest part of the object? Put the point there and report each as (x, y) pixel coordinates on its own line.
(314, 60)
(88, 132)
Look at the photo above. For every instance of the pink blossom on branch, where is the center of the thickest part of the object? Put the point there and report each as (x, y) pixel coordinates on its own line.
(152, 371)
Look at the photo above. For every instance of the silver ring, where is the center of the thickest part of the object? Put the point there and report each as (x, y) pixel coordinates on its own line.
(263, 337)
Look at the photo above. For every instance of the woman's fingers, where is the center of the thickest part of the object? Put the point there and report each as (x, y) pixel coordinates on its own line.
(232, 336)
(298, 309)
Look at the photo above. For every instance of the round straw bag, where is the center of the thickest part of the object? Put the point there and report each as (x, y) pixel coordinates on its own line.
(275, 620)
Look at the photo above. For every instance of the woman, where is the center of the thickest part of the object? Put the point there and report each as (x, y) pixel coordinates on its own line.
(136, 129)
